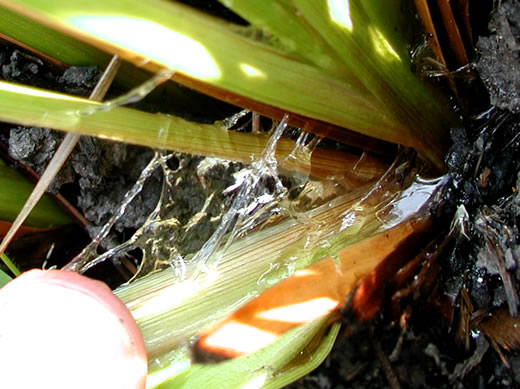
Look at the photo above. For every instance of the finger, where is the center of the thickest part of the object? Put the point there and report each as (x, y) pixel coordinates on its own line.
(62, 330)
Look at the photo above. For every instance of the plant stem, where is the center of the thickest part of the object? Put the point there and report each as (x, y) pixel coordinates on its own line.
(10, 265)
(378, 96)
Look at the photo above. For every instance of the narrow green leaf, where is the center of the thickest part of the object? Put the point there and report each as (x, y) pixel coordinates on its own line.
(210, 51)
(307, 361)
(35, 107)
(15, 189)
(49, 42)
(280, 20)
(4, 278)
(261, 368)
(72, 52)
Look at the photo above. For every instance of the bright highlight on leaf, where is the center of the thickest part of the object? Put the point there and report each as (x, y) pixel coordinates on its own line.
(382, 46)
(339, 12)
(238, 338)
(304, 273)
(256, 382)
(167, 299)
(170, 48)
(303, 312)
(252, 71)
(15, 88)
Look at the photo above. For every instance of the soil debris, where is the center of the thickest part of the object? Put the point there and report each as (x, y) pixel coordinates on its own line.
(77, 78)
(499, 57)
(503, 329)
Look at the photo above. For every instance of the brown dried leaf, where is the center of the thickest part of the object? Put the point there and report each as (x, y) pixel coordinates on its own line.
(426, 18)
(5, 225)
(461, 11)
(453, 33)
(503, 328)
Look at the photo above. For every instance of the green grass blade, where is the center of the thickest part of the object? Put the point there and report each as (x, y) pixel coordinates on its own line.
(206, 50)
(35, 107)
(279, 20)
(4, 278)
(66, 49)
(260, 369)
(72, 52)
(15, 189)
(372, 40)
(306, 362)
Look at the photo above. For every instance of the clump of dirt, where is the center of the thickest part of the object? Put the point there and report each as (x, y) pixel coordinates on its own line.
(24, 68)
(485, 170)
(499, 59)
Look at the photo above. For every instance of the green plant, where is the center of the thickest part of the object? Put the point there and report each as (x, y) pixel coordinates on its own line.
(341, 63)
(4, 278)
